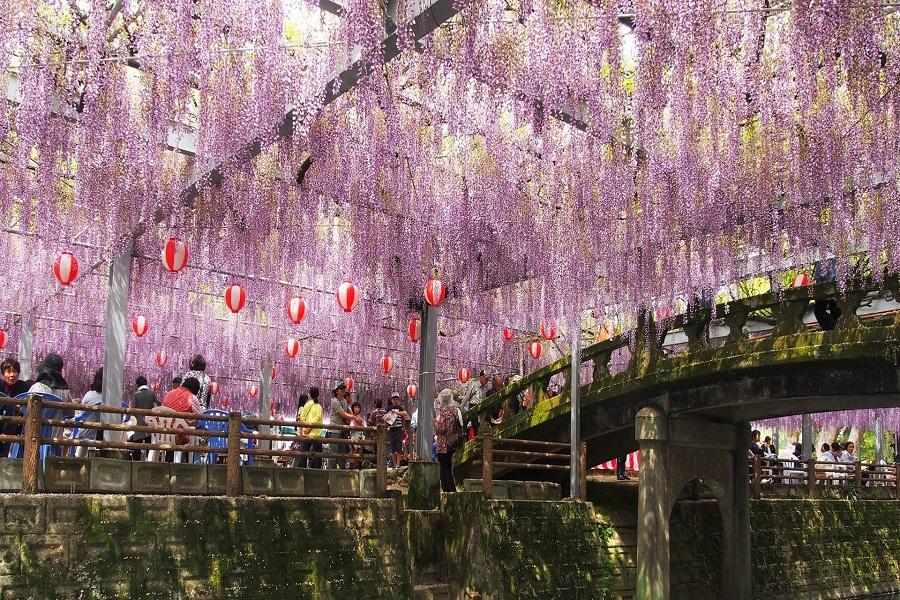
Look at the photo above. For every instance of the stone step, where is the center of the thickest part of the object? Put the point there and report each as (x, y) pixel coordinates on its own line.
(431, 591)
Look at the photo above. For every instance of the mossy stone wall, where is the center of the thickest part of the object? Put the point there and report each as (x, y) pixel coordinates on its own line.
(837, 549)
(522, 550)
(200, 547)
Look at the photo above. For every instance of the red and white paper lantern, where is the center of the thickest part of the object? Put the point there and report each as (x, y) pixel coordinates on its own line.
(174, 255)
(154, 387)
(508, 333)
(464, 375)
(435, 291)
(235, 298)
(273, 373)
(139, 325)
(415, 329)
(253, 391)
(800, 280)
(66, 268)
(411, 390)
(2, 339)
(387, 363)
(291, 348)
(349, 383)
(162, 357)
(296, 309)
(548, 332)
(347, 296)
(535, 349)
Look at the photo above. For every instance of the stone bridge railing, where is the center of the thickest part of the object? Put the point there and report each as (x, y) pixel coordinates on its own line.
(761, 330)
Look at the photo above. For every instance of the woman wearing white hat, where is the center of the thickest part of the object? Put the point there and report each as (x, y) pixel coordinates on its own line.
(448, 427)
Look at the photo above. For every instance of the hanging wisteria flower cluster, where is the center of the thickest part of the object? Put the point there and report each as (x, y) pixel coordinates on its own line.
(549, 158)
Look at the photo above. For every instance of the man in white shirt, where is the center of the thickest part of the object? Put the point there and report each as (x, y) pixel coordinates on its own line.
(475, 392)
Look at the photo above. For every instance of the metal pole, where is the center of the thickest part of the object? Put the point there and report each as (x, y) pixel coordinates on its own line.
(114, 349)
(265, 400)
(427, 355)
(26, 347)
(575, 416)
(806, 437)
(879, 437)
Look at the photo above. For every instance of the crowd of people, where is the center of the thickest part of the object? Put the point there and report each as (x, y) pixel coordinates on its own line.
(190, 393)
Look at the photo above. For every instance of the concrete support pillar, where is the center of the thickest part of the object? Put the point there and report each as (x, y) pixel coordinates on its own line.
(575, 416)
(654, 506)
(806, 437)
(427, 356)
(114, 348)
(739, 578)
(265, 400)
(26, 347)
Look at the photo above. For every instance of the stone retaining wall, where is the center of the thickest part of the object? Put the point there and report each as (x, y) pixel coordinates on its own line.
(141, 547)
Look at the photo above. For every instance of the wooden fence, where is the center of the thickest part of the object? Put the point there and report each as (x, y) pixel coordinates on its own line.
(813, 474)
(552, 452)
(237, 429)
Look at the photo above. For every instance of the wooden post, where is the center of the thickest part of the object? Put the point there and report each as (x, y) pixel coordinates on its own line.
(487, 465)
(858, 475)
(233, 482)
(757, 477)
(31, 445)
(811, 478)
(582, 471)
(897, 481)
(381, 452)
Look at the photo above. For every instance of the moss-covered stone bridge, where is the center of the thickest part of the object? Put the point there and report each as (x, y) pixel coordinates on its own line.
(771, 363)
(687, 405)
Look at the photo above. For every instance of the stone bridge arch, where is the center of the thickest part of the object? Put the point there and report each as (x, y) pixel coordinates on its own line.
(674, 452)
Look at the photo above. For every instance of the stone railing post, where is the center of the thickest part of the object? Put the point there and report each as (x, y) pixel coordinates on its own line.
(381, 452)
(601, 365)
(789, 316)
(735, 319)
(31, 445)
(233, 457)
(487, 465)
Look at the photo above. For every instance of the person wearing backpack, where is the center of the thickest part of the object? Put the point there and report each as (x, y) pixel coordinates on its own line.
(448, 427)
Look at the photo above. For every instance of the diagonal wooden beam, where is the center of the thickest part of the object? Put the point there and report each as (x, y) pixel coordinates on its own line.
(438, 13)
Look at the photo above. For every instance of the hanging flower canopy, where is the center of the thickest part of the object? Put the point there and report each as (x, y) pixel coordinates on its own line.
(550, 158)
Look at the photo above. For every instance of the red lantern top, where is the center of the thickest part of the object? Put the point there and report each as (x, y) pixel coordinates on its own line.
(66, 268)
(174, 255)
(296, 309)
(139, 325)
(435, 291)
(235, 298)
(548, 332)
(347, 296)
(415, 329)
